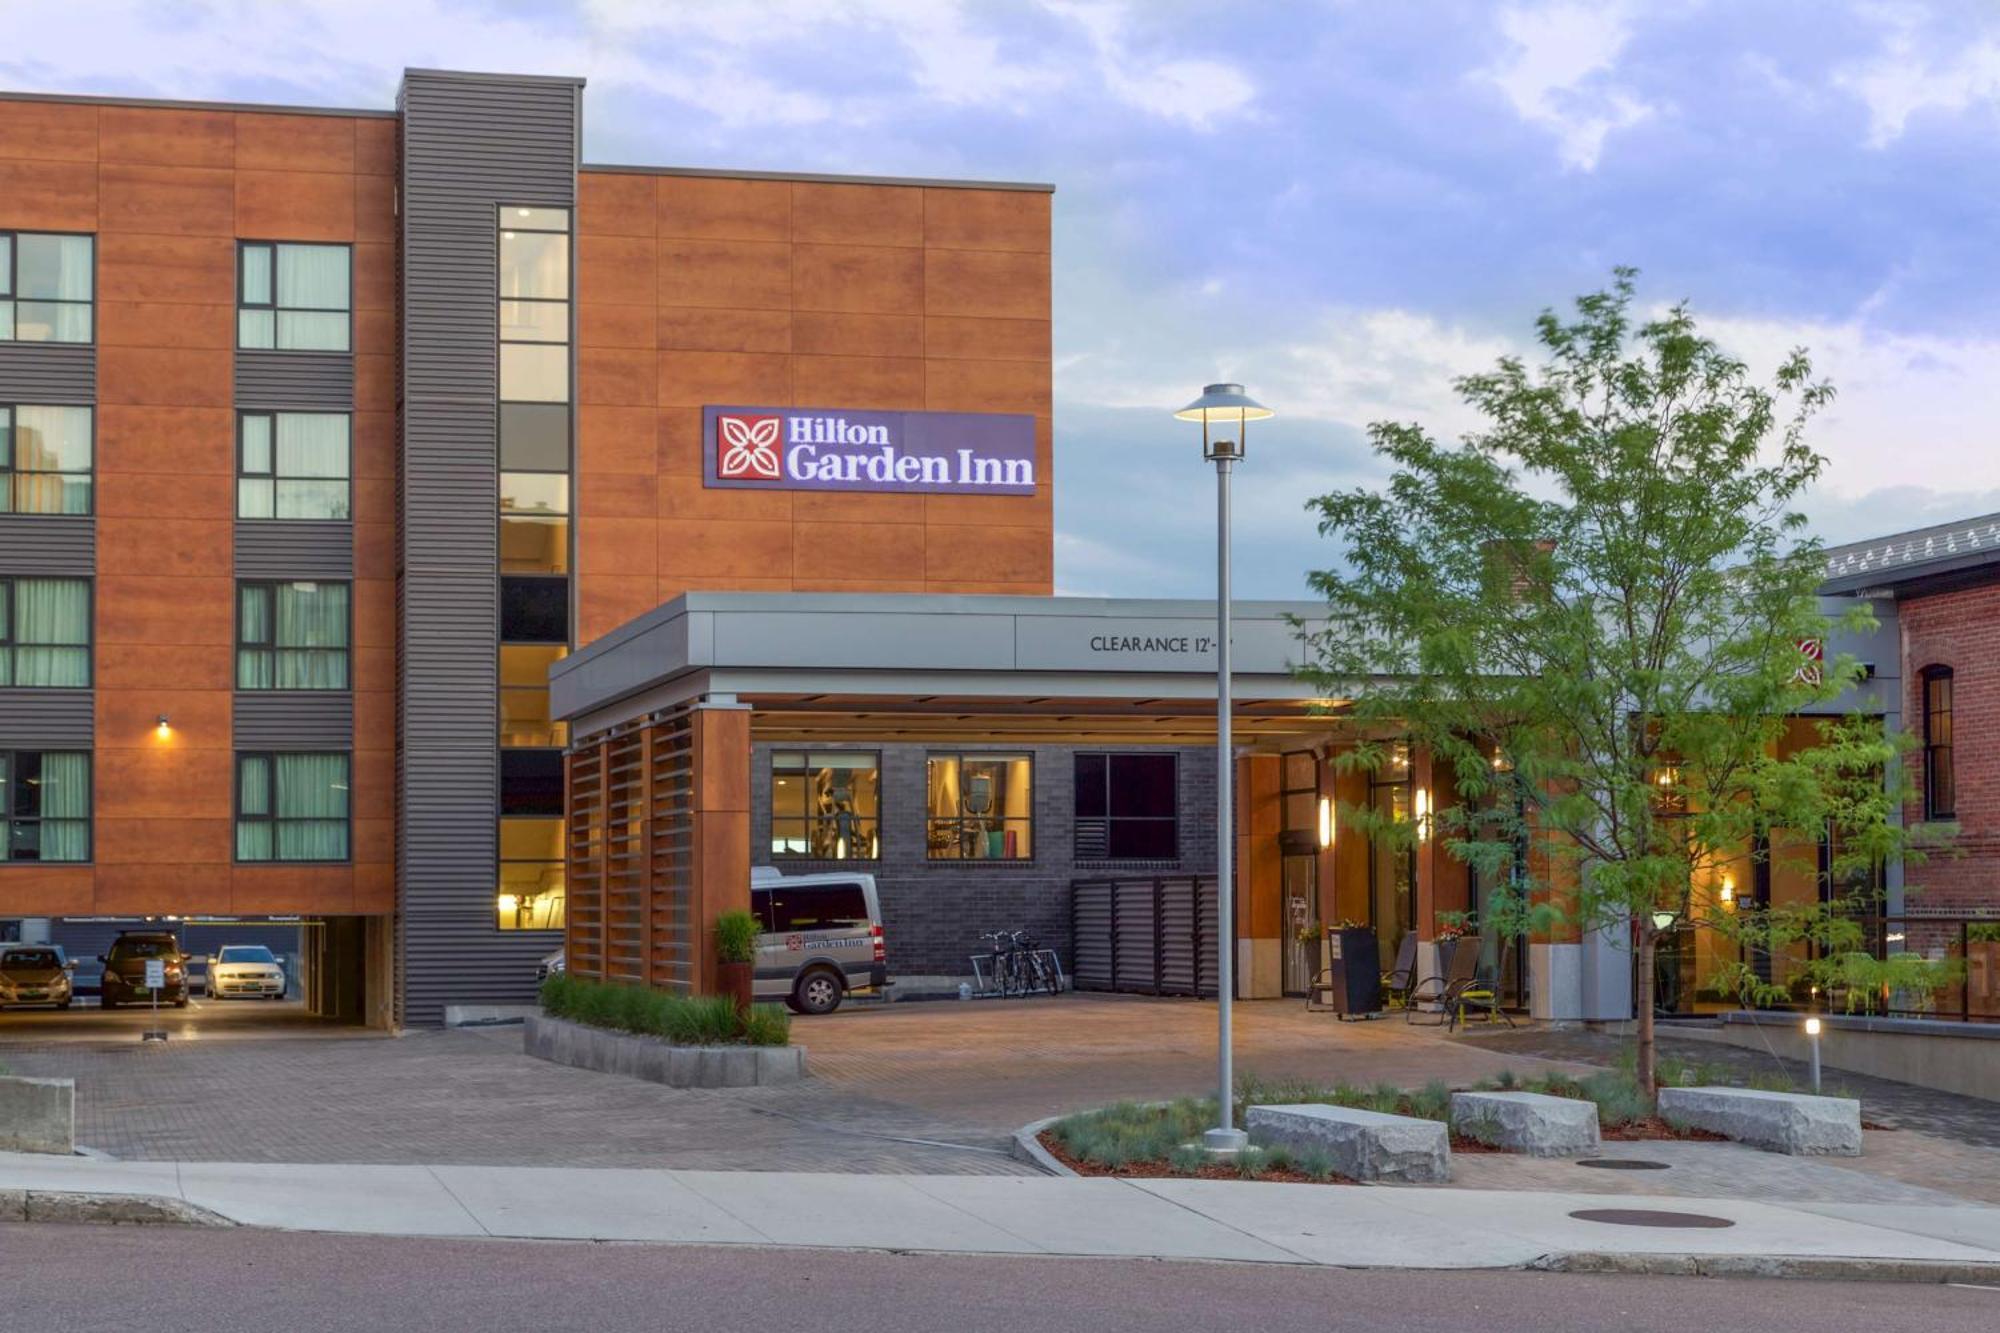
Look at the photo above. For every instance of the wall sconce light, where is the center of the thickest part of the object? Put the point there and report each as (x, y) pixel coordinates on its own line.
(1727, 893)
(1420, 807)
(1663, 920)
(163, 727)
(1326, 821)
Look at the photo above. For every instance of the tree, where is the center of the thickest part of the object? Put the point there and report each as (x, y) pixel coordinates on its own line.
(1592, 613)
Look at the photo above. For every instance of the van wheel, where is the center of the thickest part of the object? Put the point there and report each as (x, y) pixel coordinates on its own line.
(817, 993)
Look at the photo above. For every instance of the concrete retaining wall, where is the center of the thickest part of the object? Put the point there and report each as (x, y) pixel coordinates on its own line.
(38, 1115)
(1952, 1057)
(566, 1043)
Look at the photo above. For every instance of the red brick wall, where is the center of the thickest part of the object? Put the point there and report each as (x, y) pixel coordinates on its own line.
(1960, 630)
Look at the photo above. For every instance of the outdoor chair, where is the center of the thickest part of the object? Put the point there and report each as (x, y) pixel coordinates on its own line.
(1482, 992)
(1443, 991)
(1399, 981)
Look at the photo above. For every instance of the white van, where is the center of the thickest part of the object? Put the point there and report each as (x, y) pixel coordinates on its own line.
(822, 938)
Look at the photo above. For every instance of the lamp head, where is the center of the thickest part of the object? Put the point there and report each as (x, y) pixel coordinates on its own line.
(1812, 1026)
(1663, 920)
(1221, 407)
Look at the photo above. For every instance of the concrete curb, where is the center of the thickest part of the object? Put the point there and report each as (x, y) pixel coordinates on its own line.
(1028, 1147)
(1824, 1268)
(65, 1206)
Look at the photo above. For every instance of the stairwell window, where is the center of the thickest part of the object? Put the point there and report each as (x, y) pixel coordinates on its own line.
(1127, 807)
(293, 465)
(1940, 782)
(293, 298)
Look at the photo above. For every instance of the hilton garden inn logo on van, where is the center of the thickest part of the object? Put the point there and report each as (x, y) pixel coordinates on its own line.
(829, 449)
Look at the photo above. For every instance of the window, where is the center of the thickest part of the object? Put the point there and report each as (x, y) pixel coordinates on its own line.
(292, 465)
(534, 610)
(1127, 807)
(1940, 783)
(531, 782)
(291, 807)
(788, 908)
(534, 437)
(980, 807)
(45, 287)
(826, 805)
(534, 306)
(291, 636)
(45, 459)
(524, 695)
(245, 953)
(294, 298)
(534, 522)
(45, 633)
(45, 798)
(531, 874)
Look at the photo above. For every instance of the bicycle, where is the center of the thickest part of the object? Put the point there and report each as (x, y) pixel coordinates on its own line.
(1016, 964)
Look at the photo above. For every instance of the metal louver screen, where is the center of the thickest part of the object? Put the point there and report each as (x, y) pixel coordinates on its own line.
(1153, 936)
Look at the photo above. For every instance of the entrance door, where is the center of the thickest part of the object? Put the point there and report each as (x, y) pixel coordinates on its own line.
(1301, 893)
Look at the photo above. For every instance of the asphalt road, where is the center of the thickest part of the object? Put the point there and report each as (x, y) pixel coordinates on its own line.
(163, 1280)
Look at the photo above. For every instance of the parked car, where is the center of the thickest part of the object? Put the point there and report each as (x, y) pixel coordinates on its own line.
(245, 970)
(822, 939)
(125, 969)
(34, 974)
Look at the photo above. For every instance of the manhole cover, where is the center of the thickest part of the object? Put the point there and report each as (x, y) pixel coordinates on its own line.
(1622, 1164)
(1648, 1217)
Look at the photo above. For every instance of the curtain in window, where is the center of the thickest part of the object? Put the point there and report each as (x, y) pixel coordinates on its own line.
(65, 791)
(51, 632)
(55, 268)
(253, 801)
(254, 667)
(312, 278)
(312, 636)
(310, 446)
(312, 807)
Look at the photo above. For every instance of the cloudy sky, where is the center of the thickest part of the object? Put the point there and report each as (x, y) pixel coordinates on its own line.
(1344, 204)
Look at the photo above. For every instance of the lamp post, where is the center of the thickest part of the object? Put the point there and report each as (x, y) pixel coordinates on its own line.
(1225, 413)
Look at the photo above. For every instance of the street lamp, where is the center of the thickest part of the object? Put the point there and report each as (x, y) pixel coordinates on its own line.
(1225, 413)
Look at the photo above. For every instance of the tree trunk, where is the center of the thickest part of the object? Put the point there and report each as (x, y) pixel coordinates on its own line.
(1648, 941)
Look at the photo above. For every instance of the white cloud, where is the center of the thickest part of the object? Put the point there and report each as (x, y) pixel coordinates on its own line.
(1196, 92)
(1554, 77)
(1900, 81)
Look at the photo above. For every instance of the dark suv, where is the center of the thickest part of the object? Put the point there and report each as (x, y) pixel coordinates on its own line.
(125, 969)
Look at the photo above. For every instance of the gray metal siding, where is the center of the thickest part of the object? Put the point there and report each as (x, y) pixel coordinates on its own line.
(293, 720)
(48, 544)
(53, 719)
(471, 143)
(294, 549)
(298, 381)
(48, 373)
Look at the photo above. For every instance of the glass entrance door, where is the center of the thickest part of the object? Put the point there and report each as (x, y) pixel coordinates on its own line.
(1301, 894)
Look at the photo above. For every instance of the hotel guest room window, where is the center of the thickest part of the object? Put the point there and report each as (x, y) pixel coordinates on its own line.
(46, 283)
(293, 298)
(292, 465)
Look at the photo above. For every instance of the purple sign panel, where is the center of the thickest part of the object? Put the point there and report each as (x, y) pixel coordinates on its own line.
(834, 449)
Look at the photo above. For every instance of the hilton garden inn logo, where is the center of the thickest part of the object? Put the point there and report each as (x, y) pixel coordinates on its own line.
(821, 449)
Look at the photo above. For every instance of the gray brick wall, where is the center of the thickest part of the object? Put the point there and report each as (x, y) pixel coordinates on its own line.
(933, 911)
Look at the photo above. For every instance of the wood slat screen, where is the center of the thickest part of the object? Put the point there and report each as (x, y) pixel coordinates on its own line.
(1151, 936)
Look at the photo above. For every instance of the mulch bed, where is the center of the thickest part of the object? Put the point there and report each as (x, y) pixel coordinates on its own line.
(1651, 1128)
(1157, 1170)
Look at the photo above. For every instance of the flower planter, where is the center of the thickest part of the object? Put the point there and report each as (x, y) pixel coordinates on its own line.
(659, 1061)
(733, 980)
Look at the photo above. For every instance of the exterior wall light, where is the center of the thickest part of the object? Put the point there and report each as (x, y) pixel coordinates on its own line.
(164, 727)
(1326, 829)
(1727, 893)
(1420, 808)
(1663, 920)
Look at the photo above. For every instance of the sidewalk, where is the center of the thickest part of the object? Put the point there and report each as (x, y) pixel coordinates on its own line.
(1345, 1226)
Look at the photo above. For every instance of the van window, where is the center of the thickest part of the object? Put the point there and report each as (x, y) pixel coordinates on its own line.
(818, 907)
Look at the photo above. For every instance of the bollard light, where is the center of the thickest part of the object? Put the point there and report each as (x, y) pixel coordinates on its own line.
(1812, 1038)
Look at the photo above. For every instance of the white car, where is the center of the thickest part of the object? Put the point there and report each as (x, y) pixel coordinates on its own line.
(245, 970)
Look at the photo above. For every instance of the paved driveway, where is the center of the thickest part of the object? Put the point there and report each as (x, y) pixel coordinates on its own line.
(909, 1088)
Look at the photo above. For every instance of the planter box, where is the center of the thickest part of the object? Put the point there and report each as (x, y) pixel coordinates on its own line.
(659, 1061)
(38, 1115)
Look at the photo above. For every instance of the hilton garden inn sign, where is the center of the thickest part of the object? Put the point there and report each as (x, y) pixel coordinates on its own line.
(831, 449)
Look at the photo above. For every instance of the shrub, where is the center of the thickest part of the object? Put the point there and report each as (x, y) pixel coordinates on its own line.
(767, 1025)
(736, 937)
(698, 1020)
(1188, 1159)
(1313, 1163)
